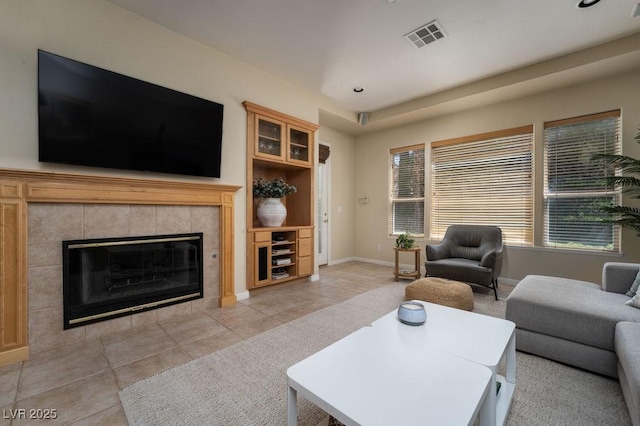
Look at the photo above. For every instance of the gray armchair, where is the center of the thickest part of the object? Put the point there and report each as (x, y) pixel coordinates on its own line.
(467, 253)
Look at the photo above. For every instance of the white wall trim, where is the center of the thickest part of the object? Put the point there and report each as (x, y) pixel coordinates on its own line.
(333, 262)
(243, 295)
(507, 281)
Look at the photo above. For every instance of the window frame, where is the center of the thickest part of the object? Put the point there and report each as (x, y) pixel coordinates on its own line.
(614, 194)
(393, 201)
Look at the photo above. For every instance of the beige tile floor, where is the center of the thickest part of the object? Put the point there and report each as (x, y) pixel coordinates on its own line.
(81, 382)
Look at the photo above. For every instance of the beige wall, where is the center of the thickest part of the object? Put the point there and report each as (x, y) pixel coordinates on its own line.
(104, 35)
(372, 152)
(342, 203)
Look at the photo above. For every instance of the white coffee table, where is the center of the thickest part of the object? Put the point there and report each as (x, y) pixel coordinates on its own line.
(478, 338)
(368, 379)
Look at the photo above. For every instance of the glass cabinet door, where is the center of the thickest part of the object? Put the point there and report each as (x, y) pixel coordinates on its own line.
(299, 143)
(270, 136)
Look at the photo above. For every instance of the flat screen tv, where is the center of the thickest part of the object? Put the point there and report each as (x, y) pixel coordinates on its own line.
(89, 116)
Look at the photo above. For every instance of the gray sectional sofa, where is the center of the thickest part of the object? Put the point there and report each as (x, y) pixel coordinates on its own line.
(583, 324)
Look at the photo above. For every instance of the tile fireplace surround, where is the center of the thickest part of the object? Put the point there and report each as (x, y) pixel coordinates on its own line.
(40, 210)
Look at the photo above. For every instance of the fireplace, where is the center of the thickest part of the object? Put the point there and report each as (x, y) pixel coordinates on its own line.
(113, 277)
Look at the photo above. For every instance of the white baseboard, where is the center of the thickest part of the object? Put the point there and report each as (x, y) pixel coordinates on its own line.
(508, 281)
(374, 261)
(339, 261)
(360, 259)
(243, 295)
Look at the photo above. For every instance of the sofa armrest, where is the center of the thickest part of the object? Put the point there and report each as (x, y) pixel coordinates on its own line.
(437, 251)
(617, 277)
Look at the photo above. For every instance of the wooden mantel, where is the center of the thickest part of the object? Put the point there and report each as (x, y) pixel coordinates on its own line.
(20, 187)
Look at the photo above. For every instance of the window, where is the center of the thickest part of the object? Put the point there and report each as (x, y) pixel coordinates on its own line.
(406, 190)
(573, 185)
(484, 180)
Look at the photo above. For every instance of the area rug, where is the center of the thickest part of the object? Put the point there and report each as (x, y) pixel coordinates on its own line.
(245, 384)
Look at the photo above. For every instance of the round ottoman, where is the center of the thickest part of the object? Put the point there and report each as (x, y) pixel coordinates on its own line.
(441, 291)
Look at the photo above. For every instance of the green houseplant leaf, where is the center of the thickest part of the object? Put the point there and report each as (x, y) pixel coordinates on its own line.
(623, 216)
(276, 188)
(404, 241)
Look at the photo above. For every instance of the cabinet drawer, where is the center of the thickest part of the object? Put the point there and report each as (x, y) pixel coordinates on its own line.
(259, 237)
(304, 266)
(304, 247)
(305, 233)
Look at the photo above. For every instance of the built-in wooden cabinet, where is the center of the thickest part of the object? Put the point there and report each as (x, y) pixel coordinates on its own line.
(279, 145)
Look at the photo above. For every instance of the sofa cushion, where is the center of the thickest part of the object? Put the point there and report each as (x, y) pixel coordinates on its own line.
(634, 287)
(574, 310)
(634, 301)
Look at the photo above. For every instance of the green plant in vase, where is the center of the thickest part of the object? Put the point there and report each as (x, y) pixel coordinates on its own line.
(271, 212)
(275, 188)
(404, 241)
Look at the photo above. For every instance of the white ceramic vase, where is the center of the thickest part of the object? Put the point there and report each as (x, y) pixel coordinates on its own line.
(272, 212)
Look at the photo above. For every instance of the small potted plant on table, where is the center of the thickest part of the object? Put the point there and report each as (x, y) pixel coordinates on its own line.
(404, 241)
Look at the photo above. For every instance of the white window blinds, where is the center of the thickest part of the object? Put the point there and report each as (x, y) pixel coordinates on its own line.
(406, 190)
(484, 180)
(574, 187)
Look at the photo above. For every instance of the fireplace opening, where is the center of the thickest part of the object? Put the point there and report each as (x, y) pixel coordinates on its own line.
(113, 277)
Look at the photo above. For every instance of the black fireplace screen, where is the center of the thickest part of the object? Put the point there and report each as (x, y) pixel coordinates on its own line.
(113, 277)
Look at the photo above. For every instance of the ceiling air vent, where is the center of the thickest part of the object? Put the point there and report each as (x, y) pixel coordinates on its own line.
(426, 34)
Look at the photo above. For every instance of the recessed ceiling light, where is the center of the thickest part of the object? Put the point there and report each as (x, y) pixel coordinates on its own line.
(358, 89)
(586, 3)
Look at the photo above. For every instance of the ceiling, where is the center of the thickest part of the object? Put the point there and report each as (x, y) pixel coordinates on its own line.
(332, 46)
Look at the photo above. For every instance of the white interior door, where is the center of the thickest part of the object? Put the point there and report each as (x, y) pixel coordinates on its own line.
(323, 213)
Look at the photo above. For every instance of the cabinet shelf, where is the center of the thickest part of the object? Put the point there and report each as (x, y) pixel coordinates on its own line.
(283, 253)
(269, 138)
(283, 266)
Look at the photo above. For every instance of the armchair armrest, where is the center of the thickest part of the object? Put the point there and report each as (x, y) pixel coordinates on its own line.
(437, 251)
(493, 259)
(617, 277)
(489, 259)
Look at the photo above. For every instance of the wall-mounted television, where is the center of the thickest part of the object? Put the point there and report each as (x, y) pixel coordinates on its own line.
(89, 116)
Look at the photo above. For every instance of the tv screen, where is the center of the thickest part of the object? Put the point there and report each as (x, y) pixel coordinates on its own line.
(89, 116)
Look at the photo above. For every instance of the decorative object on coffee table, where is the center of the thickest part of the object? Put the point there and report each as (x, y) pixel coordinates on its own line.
(441, 291)
(412, 313)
